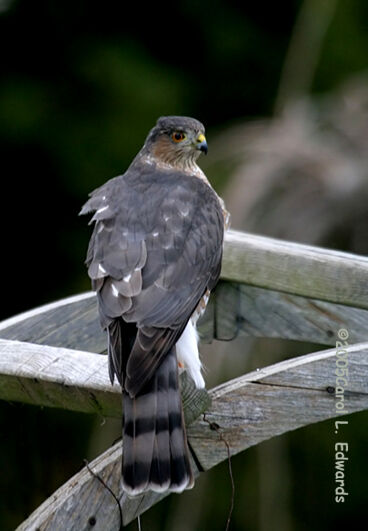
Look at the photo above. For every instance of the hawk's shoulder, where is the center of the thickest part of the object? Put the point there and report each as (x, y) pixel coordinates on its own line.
(147, 181)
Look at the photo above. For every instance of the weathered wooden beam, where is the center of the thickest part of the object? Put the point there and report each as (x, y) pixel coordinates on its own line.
(71, 323)
(319, 286)
(268, 263)
(234, 309)
(238, 309)
(275, 289)
(279, 398)
(72, 380)
(57, 377)
(294, 268)
(83, 503)
(244, 412)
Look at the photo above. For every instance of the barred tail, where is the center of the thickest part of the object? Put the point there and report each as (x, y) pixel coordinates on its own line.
(155, 450)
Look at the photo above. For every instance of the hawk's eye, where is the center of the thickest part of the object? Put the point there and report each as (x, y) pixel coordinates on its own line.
(178, 136)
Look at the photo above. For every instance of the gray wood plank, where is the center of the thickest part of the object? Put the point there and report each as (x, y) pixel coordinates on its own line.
(57, 377)
(294, 268)
(246, 411)
(72, 380)
(233, 309)
(281, 289)
(269, 264)
(238, 309)
(83, 497)
(279, 398)
(71, 322)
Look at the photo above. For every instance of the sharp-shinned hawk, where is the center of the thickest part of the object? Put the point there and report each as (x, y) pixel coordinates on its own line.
(154, 256)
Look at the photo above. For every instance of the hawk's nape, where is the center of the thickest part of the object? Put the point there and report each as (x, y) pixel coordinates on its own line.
(154, 256)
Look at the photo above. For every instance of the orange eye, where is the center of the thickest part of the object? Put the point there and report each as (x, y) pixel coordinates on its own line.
(178, 136)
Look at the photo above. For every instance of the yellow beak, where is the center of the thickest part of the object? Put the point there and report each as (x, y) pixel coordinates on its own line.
(202, 143)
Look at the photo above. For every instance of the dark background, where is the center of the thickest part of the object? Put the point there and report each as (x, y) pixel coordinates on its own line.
(81, 85)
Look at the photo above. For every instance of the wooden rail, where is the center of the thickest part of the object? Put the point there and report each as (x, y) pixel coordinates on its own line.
(274, 289)
(50, 356)
(247, 410)
(297, 269)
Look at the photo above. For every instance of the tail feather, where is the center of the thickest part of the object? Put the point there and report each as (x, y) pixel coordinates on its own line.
(161, 468)
(155, 454)
(139, 437)
(178, 440)
(120, 340)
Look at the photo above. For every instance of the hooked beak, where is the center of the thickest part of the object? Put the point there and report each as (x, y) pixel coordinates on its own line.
(202, 144)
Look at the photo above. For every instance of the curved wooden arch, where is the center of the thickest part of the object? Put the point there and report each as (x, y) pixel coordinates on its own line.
(247, 410)
(284, 289)
(234, 309)
(270, 288)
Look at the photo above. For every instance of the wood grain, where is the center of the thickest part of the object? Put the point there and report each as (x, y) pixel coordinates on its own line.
(72, 380)
(238, 309)
(246, 411)
(294, 268)
(274, 265)
(276, 399)
(50, 356)
(234, 309)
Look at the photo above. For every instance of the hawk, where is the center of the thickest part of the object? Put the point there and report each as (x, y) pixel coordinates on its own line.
(154, 256)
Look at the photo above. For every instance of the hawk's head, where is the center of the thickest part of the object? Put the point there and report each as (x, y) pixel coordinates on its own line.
(176, 140)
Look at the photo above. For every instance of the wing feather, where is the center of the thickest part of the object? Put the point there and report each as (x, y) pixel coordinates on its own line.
(155, 250)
